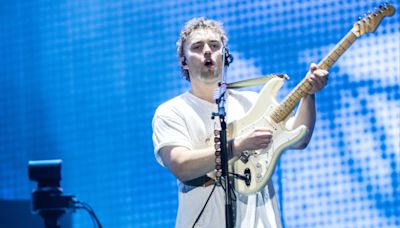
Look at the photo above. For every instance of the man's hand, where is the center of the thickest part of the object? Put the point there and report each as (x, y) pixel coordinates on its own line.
(259, 138)
(318, 78)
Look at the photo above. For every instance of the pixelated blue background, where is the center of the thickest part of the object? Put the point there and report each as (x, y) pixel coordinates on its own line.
(80, 81)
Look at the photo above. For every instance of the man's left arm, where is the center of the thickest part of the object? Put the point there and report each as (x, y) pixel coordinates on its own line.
(306, 112)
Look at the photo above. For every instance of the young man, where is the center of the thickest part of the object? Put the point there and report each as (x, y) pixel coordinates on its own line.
(183, 132)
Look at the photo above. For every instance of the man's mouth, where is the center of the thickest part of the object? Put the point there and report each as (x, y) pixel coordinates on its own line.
(208, 63)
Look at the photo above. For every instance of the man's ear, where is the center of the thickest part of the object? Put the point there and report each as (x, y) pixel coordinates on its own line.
(184, 63)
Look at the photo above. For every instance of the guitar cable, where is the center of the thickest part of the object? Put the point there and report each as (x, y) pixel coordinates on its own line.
(219, 181)
(204, 207)
(218, 171)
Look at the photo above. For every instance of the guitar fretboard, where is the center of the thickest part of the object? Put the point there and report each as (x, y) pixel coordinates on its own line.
(281, 111)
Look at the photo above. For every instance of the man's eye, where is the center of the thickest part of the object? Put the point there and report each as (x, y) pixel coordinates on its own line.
(215, 46)
(196, 47)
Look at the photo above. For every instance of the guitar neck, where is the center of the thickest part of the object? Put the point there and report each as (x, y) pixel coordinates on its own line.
(289, 103)
(339, 49)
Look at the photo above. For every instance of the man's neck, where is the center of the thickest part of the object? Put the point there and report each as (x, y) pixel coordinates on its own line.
(204, 91)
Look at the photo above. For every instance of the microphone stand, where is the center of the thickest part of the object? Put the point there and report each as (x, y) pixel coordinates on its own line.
(220, 100)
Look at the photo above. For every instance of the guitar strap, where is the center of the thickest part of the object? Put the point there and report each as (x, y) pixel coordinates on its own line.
(254, 81)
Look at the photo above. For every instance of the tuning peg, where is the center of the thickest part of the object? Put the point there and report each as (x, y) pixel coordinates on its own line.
(375, 11)
(370, 14)
(363, 18)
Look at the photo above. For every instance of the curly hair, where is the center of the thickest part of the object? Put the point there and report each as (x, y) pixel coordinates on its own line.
(193, 25)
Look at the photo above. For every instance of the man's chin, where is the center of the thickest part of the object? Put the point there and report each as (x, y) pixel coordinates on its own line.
(209, 78)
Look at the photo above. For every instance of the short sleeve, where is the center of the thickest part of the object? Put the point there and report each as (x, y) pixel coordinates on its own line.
(169, 131)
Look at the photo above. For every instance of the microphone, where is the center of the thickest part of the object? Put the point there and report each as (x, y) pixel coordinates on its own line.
(222, 86)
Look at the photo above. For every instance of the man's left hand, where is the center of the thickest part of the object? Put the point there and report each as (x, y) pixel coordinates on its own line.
(318, 78)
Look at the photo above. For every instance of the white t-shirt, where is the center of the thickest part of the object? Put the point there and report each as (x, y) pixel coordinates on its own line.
(186, 121)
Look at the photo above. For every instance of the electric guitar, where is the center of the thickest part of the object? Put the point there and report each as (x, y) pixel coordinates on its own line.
(256, 167)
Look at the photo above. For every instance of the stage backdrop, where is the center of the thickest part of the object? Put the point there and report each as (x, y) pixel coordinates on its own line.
(80, 81)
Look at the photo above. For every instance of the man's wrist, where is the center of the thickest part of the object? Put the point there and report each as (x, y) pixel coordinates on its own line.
(233, 148)
(309, 95)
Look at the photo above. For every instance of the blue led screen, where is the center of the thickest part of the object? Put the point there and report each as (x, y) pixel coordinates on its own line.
(80, 81)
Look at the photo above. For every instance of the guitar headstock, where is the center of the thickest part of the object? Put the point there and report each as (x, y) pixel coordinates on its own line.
(370, 22)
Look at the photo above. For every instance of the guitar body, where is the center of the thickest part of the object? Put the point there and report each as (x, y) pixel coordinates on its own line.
(259, 165)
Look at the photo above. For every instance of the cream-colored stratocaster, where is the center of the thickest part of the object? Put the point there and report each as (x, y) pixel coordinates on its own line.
(259, 165)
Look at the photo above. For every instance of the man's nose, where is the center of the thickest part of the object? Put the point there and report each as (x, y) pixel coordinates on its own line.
(207, 51)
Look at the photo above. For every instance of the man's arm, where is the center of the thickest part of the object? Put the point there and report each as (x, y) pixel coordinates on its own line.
(306, 112)
(188, 164)
(305, 115)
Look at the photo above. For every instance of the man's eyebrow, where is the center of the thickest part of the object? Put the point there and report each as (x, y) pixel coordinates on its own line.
(197, 42)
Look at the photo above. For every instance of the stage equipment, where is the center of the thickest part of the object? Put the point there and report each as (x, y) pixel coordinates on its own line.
(47, 199)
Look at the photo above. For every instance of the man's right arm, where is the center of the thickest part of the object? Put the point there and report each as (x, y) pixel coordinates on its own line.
(188, 164)
(185, 164)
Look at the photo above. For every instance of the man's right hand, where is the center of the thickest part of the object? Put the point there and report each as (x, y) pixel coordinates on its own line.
(259, 138)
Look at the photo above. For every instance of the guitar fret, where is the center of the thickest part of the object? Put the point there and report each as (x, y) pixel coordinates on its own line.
(350, 42)
(338, 55)
(346, 43)
(332, 59)
(329, 64)
(296, 94)
(288, 107)
(343, 46)
(323, 63)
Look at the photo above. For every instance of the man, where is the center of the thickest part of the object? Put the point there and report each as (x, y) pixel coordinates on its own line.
(183, 132)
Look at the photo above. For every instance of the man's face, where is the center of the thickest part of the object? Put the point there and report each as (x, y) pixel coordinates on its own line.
(203, 51)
